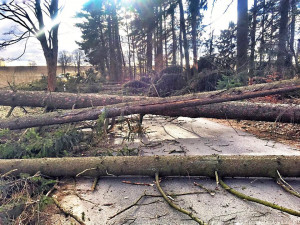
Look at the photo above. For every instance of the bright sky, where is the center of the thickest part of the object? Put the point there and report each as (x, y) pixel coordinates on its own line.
(68, 33)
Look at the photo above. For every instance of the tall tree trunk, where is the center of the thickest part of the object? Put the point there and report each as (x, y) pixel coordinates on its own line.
(149, 50)
(292, 37)
(166, 37)
(262, 39)
(242, 39)
(185, 42)
(174, 43)
(159, 51)
(181, 56)
(253, 41)
(117, 43)
(194, 22)
(283, 35)
(133, 57)
(51, 62)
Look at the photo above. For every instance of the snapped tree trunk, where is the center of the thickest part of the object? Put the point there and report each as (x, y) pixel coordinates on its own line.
(152, 106)
(225, 165)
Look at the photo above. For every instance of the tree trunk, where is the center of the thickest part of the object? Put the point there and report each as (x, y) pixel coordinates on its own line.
(152, 106)
(283, 35)
(242, 39)
(253, 41)
(194, 13)
(226, 165)
(174, 44)
(149, 49)
(51, 70)
(185, 42)
(229, 110)
(293, 25)
(262, 39)
(241, 111)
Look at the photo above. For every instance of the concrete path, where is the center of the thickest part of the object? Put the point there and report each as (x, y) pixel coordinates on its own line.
(185, 136)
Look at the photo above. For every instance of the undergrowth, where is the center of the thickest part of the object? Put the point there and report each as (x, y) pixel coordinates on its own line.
(33, 144)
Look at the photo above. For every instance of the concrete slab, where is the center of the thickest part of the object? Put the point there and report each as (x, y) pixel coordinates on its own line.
(187, 137)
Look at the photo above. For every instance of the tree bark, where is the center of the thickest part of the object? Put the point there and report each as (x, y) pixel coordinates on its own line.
(185, 42)
(174, 43)
(153, 106)
(230, 110)
(242, 38)
(283, 35)
(253, 41)
(241, 111)
(226, 165)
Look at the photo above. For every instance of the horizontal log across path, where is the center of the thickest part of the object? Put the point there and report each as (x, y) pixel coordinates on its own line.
(225, 165)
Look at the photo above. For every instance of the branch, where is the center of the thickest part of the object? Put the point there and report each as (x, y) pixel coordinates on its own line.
(178, 208)
(259, 201)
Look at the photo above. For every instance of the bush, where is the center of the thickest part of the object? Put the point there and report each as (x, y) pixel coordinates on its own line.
(228, 82)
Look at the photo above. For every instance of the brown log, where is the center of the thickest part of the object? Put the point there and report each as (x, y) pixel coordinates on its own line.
(226, 165)
(61, 100)
(152, 106)
(241, 111)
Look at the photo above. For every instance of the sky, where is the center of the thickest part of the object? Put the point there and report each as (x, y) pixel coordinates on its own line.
(69, 34)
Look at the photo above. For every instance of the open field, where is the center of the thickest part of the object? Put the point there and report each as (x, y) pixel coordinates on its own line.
(26, 74)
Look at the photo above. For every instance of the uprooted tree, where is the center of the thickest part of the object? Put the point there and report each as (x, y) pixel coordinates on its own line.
(31, 17)
(153, 106)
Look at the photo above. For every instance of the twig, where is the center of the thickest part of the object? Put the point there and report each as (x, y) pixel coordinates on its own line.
(68, 213)
(85, 171)
(9, 172)
(286, 186)
(190, 214)
(94, 184)
(137, 183)
(128, 207)
(211, 192)
(10, 111)
(269, 204)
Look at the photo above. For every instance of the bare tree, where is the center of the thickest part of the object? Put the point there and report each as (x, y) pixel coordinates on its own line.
(30, 16)
(64, 59)
(78, 58)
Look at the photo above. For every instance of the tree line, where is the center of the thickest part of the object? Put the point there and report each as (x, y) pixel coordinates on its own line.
(131, 39)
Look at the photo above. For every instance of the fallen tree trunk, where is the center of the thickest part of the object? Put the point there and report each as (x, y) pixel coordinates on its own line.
(152, 106)
(226, 165)
(241, 111)
(63, 100)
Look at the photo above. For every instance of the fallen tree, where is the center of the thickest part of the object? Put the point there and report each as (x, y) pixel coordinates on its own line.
(152, 106)
(226, 165)
(241, 111)
(63, 100)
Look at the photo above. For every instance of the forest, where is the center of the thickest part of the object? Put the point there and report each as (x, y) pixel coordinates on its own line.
(158, 117)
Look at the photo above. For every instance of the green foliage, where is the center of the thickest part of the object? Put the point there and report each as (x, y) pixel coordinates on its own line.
(228, 82)
(35, 145)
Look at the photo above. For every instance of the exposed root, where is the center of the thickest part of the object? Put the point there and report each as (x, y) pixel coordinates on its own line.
(190, 214)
